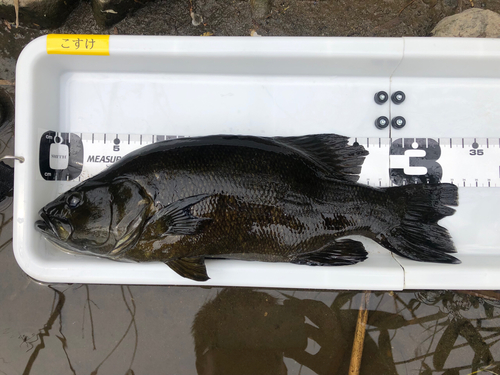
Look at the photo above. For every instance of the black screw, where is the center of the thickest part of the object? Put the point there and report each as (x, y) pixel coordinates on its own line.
(382, 122)
(381, 97)
(398, 122)
(398, 97)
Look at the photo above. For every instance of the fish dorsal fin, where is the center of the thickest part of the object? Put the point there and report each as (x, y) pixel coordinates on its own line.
(176, 218)
(332, 152)
(190, 267)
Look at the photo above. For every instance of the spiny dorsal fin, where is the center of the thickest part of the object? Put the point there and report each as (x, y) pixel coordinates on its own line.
(342, 161)
(191, 268)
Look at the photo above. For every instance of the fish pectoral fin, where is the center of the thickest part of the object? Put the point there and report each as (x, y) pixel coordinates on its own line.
(176, 218)
(190, 267)
(338, 253)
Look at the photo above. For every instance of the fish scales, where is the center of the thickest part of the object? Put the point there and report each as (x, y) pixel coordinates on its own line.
(287, 199)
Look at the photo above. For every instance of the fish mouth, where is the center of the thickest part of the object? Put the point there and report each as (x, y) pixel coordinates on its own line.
(54, 228)
(56, 232)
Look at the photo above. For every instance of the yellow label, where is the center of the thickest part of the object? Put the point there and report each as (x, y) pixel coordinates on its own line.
(77, 44)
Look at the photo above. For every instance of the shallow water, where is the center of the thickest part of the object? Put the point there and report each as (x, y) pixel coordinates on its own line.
(113, 329)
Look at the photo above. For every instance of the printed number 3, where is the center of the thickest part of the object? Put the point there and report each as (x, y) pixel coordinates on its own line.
(476, 152)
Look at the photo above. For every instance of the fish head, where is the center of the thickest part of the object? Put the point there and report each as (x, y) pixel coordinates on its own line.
(97, 218)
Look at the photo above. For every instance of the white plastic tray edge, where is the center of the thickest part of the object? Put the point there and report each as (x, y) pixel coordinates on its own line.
(35, 267)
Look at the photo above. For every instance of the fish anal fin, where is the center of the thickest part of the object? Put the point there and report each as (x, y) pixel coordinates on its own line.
(338, 253)
(332, 151)
(176, 218)
(190, 267)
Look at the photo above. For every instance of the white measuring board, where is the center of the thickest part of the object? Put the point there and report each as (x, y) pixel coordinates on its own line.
(164, 85)
(465, 162)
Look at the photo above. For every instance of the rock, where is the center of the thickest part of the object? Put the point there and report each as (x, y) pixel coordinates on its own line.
(2, 114)
(46, 14)
(260, 8)
(6, 180)
(472, 23)
(6, 108)
(109, 12)
(197, 19)
(6, 121)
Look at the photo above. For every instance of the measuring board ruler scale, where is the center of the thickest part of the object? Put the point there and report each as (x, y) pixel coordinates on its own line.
(465, 162)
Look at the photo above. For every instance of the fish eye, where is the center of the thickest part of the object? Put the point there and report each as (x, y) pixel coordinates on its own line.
(74, 200)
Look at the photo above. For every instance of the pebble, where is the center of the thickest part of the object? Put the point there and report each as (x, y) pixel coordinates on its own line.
(260, 8)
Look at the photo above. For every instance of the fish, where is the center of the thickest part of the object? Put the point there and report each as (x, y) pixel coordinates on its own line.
(272, 199)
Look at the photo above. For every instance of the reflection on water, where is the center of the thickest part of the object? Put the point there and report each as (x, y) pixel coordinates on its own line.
(113, 329)
(252, 332)
(92, 329)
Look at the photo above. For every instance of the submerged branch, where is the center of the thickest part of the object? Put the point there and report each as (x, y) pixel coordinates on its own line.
(45, 331)
(429, 354)
(359, 336)
(89, 304)
(132, 314)
(132, 323)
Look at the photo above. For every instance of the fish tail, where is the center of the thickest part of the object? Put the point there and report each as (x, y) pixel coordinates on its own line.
(418, 236)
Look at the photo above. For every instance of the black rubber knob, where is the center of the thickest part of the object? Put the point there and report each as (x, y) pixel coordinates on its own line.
(382, 122)
(398, 97)
(381, 97)
(398, 122)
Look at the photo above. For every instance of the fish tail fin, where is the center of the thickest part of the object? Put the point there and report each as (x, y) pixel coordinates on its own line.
(418, 236)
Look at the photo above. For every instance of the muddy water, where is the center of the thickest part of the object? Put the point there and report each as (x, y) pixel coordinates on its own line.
(99, 329)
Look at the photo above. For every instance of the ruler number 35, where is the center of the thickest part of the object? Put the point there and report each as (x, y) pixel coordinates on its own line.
(475, 151)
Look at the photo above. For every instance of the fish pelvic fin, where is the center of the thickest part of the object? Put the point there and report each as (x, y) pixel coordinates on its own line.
(176, 218)
(190, 267)
(338, 253)
(419, 237)
(341, 160)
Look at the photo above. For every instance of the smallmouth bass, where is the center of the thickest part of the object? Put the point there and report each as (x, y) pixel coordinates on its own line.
(281, 199)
